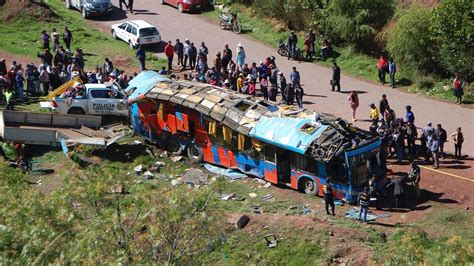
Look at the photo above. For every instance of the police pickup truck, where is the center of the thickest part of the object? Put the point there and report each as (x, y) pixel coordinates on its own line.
(96, 99)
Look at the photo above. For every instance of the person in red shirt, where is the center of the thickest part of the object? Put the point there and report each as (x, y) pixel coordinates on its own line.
(458, 90)
(383, 68)
(169, 52)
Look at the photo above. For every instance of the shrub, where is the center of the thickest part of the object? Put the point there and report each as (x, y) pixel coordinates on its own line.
(453, 30)
(357, 21)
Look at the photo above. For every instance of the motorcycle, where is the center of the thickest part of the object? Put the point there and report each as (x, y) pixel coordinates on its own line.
(230, 21)
(283, 50)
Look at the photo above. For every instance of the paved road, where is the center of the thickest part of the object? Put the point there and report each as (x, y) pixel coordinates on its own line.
(315, 78)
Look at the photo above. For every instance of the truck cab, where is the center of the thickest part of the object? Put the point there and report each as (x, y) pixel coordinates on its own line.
(95, 99)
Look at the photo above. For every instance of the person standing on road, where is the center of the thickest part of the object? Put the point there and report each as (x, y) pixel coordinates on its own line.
(169, 52)
(382, 66)
(442, 137)
(203, 51)
(353, 100)
(186, 52)
(226, 56)
(425, 138)
(374, 114)
(124, 3)
(240, 60)
(458, 89)
(179, 50)
(264, 87)
(434, 147)
(415, 176)
(193, 53)
(141, 56)
(409, 116)
(282, 86)
(458, 139)
(45, 39)
(292, 42)
(217, 64)
(67, 37)
(392, 69)
(336, 77)
(364, 205)
(383, 105)
(299, 93)
(130, 6)
(328, 199)
(411, 137)
(295, 78)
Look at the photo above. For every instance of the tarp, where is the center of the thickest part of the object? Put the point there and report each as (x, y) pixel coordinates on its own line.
(287, 132)
(144, 82)
(354, 214)
(233, 174)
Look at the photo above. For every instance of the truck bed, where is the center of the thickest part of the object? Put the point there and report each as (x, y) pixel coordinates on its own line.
(50, 129)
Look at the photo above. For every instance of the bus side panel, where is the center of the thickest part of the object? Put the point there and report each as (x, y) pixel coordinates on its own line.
(270, 172)
(154, 129)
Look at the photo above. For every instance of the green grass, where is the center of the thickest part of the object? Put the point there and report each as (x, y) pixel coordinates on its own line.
(353, 63)
(23, 36)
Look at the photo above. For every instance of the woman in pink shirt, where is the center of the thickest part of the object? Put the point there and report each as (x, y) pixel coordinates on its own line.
(353, 100)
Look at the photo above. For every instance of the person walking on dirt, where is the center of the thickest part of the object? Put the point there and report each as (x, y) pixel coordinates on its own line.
(67, 37)
(141, 56)
(364, 205)
(124, 3)
(442, 137)
(292, 42)
(328, 199)
(415, 176)
(458, 89)
(458, 138)
(392, 69)
(353, 101)
(240, 60)
(179, 51)
(169, 52)
(45, 39)
(336, 77)
(398, 184)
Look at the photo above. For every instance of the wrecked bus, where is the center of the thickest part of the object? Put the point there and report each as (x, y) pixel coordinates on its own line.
(283, 145)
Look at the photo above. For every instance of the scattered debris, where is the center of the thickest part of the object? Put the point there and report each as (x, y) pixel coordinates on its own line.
(267, 185)
(467, 208)
(271, 240)
(268, 197)
(330, 233)
(227, 197)
(176, 182)
(76, 204)
(137, 142)
(293, 207)
(256, 209)
(176, 159)
(242, 221)
(306, 209)
(118, 189)
(148, 175)
(233, 174)
(138, 169)
(354, 214)
(336, 202)
(163, 154)
(195, 176)
(261, 181)
(252, 195)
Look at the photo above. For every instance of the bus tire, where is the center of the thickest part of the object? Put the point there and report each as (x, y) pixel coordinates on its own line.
(195, 153)
(308, 186)
(173, 145)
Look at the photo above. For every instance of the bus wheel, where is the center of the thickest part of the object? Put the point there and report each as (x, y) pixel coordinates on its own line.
(309, 186)
(173, 145)
(195, 153)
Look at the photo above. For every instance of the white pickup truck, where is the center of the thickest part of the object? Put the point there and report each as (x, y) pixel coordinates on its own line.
(97, 99)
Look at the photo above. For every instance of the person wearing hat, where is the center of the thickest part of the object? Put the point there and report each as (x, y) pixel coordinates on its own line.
(240, 59)
(226, 84)
(336, 77)
(415, 176)
(91, 77)
(374, 114)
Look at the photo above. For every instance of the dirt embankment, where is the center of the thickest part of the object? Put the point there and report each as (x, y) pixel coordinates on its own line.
(14, 9)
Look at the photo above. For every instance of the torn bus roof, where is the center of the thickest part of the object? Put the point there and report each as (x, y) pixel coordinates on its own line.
(319, 135)
(294, 134)
(144, 82)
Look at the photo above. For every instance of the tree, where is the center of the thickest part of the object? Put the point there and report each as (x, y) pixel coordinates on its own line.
(453, 31)
(409, 42)
(357, 21)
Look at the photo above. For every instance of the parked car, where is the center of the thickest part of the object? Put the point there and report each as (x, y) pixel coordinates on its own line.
(90, 8)
(136, 32)
(97, 99)
(187, 5)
